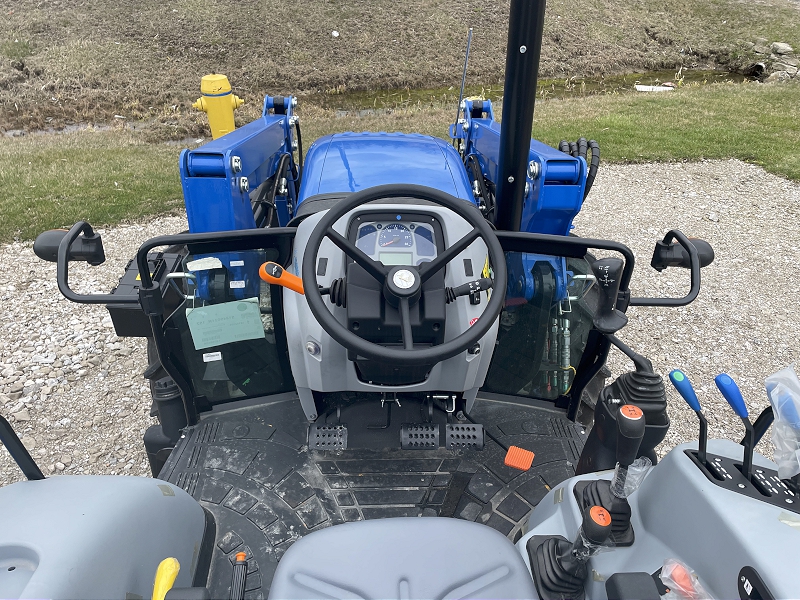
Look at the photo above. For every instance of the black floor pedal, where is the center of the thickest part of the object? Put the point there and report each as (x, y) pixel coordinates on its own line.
(327, 437)
(419, 436)
(464, 437)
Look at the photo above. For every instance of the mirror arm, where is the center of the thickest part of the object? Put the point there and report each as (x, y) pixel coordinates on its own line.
(62, 271)
(694, 270)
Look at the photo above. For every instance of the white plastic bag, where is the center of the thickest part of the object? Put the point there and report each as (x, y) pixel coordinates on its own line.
(682, 582)
(783, 389)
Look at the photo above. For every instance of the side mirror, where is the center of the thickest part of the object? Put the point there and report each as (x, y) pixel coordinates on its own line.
(674, 255)
(87, 247)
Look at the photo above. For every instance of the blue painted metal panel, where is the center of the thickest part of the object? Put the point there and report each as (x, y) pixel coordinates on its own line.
(554, 197)
(348, 162)
(211, 189)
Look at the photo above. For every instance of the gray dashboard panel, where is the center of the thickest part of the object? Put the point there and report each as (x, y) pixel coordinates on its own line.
(330, 370)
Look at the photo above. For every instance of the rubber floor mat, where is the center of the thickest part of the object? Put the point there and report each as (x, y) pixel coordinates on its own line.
(253, 470)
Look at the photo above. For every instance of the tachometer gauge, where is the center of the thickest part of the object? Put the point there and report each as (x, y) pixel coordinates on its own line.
(395, 236)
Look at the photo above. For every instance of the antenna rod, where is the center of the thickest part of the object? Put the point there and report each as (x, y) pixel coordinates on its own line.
(463, 78)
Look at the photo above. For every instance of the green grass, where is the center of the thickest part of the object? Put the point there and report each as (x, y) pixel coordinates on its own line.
(52, 181)
(108, 177)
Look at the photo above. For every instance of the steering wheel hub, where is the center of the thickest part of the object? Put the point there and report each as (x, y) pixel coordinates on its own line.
(404, 279)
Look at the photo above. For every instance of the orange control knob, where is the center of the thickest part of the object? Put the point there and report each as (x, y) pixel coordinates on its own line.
(630, 411)
(600, 516)
(274, 273)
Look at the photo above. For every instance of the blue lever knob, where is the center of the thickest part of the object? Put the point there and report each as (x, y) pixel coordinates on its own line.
(685, 389)
(731, 393)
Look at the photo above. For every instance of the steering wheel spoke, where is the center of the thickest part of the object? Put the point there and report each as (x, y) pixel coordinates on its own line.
(428, 270)
(374, 268)
(405, 324)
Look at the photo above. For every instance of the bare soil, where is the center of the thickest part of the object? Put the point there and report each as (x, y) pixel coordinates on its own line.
(72, 61)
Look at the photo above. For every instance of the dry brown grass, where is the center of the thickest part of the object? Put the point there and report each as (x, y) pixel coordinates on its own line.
(63, 61)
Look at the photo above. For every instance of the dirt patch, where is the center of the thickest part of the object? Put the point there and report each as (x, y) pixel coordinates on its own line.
(65, 62)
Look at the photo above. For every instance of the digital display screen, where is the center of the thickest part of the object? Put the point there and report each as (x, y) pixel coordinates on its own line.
(396, 258)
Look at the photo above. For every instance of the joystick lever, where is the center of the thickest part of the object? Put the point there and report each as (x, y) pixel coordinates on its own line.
(607, 272)
(630, 431)
(685, 389)
(730, 391)
(558, 565)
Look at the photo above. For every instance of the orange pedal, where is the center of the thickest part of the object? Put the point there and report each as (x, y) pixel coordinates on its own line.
(519, 458)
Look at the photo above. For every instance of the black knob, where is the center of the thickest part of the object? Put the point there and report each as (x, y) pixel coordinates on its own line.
(630, 431)
(596, 524)
(607, 272)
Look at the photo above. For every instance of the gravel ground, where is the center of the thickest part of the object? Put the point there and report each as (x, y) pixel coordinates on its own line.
(75, 394)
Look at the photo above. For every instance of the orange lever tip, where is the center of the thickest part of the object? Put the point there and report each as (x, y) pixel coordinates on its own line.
(274, 273)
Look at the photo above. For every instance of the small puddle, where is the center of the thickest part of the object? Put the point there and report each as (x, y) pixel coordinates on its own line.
(375, 102)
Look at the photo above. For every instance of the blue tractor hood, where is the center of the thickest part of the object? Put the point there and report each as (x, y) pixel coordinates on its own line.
(348, 162)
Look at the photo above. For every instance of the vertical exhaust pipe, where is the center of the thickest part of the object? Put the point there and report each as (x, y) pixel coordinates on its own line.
(525, 26)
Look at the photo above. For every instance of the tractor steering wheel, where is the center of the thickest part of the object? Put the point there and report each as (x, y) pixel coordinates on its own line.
(402, 284)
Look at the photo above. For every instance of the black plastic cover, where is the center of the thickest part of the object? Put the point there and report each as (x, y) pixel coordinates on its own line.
(631, 586)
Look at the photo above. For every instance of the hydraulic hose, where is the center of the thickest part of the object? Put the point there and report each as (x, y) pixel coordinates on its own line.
(582, 148)
(266, 199)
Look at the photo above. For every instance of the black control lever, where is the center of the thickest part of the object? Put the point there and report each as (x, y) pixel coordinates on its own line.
(558, 565)
(607, 272)
(471, 287)
(630, 431)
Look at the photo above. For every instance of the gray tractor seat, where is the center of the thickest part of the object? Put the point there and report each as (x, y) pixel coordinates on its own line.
(405, 557)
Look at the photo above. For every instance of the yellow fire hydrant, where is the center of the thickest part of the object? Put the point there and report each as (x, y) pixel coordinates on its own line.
(218, 103)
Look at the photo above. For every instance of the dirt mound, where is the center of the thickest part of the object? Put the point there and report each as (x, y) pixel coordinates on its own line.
(64, 61)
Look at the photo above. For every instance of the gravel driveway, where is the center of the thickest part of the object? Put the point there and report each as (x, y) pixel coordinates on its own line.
(75, 394)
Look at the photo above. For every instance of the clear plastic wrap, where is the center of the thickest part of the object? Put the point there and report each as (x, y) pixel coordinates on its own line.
(682, 582)
(627, 480)
(783, 389)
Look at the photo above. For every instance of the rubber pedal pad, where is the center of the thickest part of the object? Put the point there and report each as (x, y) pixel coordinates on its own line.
(327, 437)
(464, 437)
(519, 458)
(419, 436)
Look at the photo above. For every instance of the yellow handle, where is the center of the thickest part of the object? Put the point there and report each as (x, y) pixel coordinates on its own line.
(166, 574)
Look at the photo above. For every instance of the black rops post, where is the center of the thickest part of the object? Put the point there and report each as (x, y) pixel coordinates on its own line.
(525, 26)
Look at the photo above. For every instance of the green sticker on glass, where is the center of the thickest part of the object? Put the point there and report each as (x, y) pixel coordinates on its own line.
(220, 324)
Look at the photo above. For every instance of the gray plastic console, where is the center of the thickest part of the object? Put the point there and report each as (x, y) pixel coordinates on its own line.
(678, 513)
(431, 557)
(94, 536)
(330, 370)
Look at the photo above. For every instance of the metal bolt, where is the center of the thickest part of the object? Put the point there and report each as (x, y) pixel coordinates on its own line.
(465, 126)
(523, 49)
(294, 101)
(741, 485)
(463, 104)
(313, 348)
(293, 120)
(282, 187)
(294, 144)
(510, 179)
(789, 501)
(236, 164)
(312, 416)
(244, 185)
(527, 188)
(533, 169)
